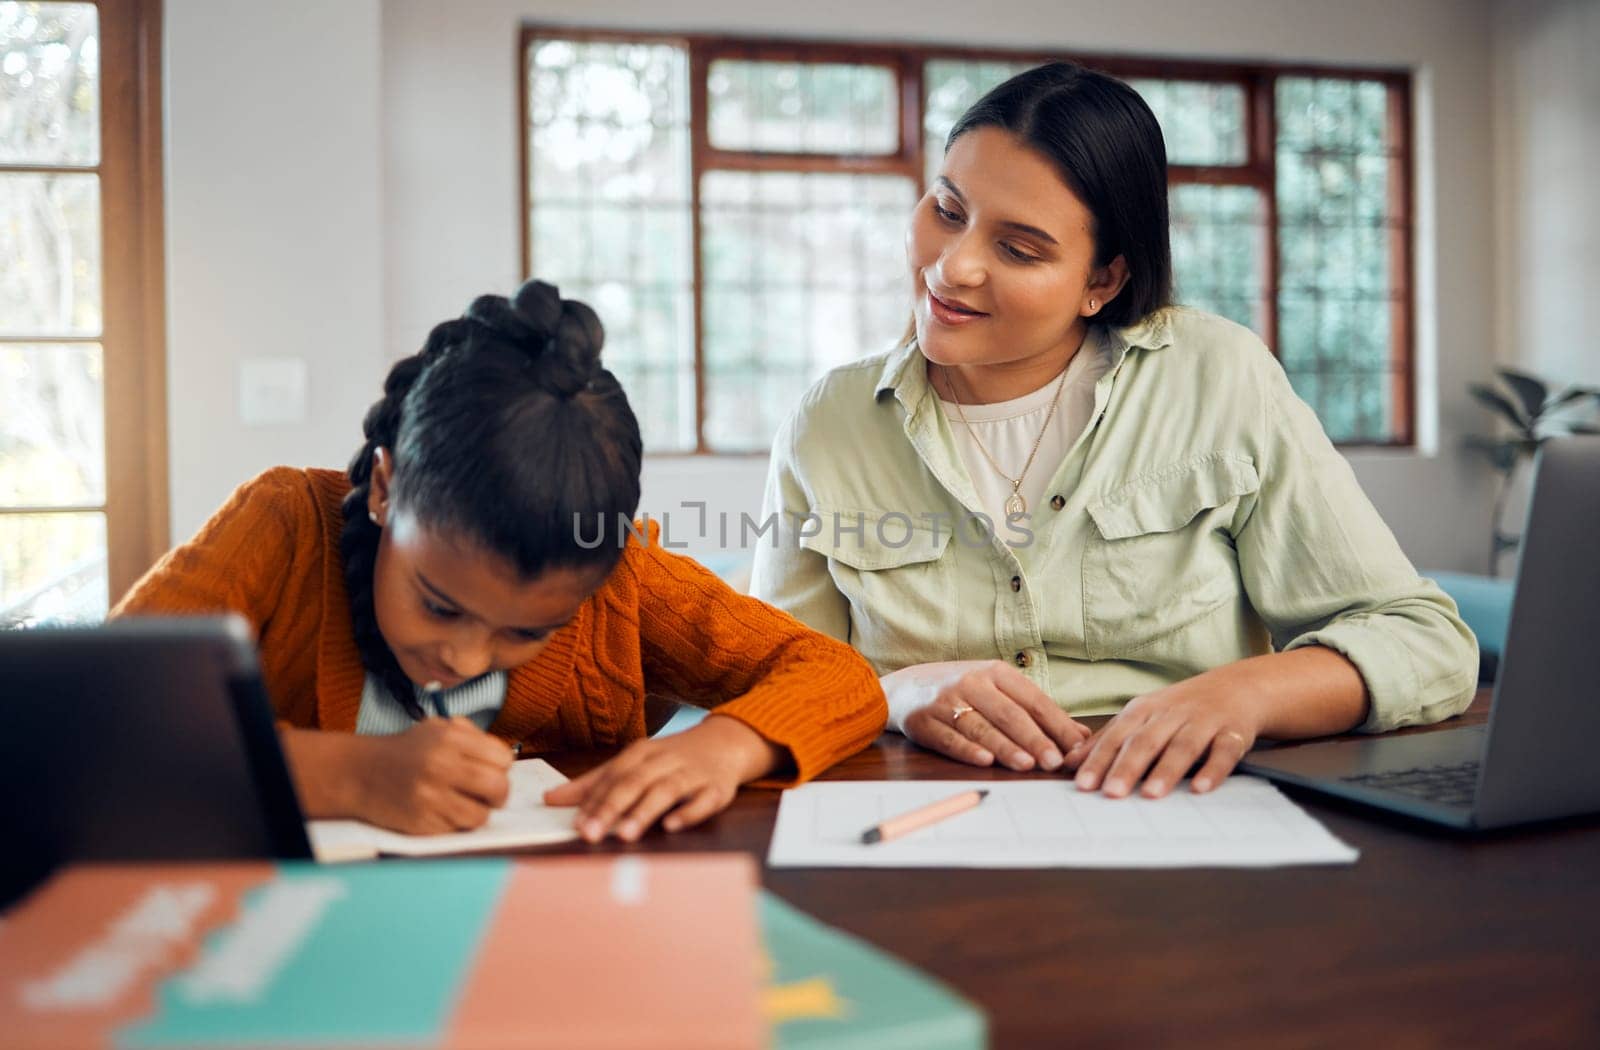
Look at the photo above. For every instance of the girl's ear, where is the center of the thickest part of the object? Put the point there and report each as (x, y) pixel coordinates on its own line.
(378, 491)
(1104, 284)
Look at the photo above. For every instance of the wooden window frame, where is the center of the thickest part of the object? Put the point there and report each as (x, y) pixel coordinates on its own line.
(1259, 170)
(133, 313)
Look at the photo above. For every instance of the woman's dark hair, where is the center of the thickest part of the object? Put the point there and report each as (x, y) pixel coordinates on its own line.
(1106, 144)
(503, 430)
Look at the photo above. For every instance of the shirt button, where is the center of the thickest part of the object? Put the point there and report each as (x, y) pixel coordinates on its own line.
(1016, 584)
(1057, 502)
(1023, 660)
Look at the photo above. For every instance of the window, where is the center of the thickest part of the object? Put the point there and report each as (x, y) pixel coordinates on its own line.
(82, 472)
(735, 210)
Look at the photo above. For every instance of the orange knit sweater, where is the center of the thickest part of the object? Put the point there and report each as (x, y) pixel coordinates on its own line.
(660, 623)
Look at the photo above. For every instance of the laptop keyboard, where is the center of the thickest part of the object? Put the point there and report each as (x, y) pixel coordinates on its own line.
(1447, 785)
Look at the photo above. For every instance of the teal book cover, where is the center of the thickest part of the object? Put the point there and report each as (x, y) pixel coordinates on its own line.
(831, 991)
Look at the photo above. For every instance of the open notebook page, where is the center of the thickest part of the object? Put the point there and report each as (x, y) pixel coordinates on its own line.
(523, 821)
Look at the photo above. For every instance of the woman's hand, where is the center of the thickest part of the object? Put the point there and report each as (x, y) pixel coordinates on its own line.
(440, 775)
(1159, 737)
(1218, 715)
(688, 776)
(977, 711)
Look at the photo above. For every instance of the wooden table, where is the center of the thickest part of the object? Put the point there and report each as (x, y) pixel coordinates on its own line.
(1433, 938)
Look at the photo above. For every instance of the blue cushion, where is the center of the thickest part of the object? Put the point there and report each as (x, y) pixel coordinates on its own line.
(684, 717)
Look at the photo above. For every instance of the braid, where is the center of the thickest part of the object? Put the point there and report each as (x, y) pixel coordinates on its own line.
(358, 539)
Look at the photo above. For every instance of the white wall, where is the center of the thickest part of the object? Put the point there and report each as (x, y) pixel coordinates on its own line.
(438, 83)
(1547, 144)
(274, 235)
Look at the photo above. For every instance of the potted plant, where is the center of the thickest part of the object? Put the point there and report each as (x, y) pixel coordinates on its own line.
(1534, 415)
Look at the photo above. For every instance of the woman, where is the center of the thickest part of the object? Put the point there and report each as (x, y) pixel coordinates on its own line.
(1065, 495)
(470, 565)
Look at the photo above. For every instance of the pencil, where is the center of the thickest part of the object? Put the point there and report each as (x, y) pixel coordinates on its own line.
(921, 817)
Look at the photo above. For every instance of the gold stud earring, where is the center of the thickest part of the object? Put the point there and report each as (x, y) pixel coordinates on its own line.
(1093, 305)
(372, 516)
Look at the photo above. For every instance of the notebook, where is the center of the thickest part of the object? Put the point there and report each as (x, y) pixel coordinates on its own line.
(569, 952)
(523, 821)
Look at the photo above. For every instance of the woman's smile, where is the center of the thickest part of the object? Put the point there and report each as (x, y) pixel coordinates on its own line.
(950, 311)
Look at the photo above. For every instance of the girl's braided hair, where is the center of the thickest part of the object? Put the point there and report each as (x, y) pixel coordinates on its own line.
(502, 430)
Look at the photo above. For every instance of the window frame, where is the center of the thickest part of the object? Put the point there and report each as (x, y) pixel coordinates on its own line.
(133, 289)
(1259, 170)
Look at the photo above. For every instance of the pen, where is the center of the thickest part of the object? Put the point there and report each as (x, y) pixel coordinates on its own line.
(921, 817)
(433, 691)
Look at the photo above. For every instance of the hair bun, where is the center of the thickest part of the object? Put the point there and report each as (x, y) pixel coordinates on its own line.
(573, 357)
(539, 303)
(562, 337)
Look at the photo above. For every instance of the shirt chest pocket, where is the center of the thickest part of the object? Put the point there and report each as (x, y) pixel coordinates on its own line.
(1161, 554)
(893, 572)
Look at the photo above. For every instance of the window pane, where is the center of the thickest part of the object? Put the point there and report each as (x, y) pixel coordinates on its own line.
(812, 107)
(802, 273)
(1336, 237)
(1218, 242)
(52, 426)
(52, 569)
(50, 254)
(1201, 121)
(950, 87)
(608, 121)
(49, 84)
(610, 220)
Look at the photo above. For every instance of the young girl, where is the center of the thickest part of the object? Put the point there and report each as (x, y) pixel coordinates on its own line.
(454, 571)
(1173, 538)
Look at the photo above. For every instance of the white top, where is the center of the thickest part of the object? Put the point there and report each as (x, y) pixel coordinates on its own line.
(1008, 429)
(479, 699)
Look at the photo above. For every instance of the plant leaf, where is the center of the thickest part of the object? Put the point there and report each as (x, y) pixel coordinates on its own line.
(1529, 390)
(1497, 401)
(1569, 395)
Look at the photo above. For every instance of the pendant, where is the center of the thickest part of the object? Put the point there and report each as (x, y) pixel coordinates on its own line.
(1016, 505)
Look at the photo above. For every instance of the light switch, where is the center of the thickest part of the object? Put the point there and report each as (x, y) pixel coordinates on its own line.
(272, 391)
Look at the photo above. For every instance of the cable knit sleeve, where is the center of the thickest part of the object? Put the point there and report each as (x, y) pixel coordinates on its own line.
(703, 642)
(237, 562)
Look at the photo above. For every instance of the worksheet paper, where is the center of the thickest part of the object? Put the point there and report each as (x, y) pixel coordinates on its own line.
(523, 821)
(1048, 823)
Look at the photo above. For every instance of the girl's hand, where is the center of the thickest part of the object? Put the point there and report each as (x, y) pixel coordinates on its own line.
(1160, 736)
(688, 776)
(977, 711)
(440, 775)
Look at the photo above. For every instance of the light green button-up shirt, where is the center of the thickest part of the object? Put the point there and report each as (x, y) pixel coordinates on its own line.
(1200, 518)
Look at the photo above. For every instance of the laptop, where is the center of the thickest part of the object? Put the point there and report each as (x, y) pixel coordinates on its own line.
(1535, 758)
(144, 739)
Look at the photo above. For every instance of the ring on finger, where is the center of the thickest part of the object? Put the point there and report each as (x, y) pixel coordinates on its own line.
(961, 709)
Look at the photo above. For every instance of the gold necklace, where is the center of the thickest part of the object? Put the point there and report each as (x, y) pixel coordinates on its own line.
(1016, 504)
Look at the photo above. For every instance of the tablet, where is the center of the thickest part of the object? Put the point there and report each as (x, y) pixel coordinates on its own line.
(144, 739)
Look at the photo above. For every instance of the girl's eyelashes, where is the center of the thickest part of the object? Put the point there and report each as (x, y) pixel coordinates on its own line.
(446, 613)
(438, 611)
(945, 213)
(1018, 254)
